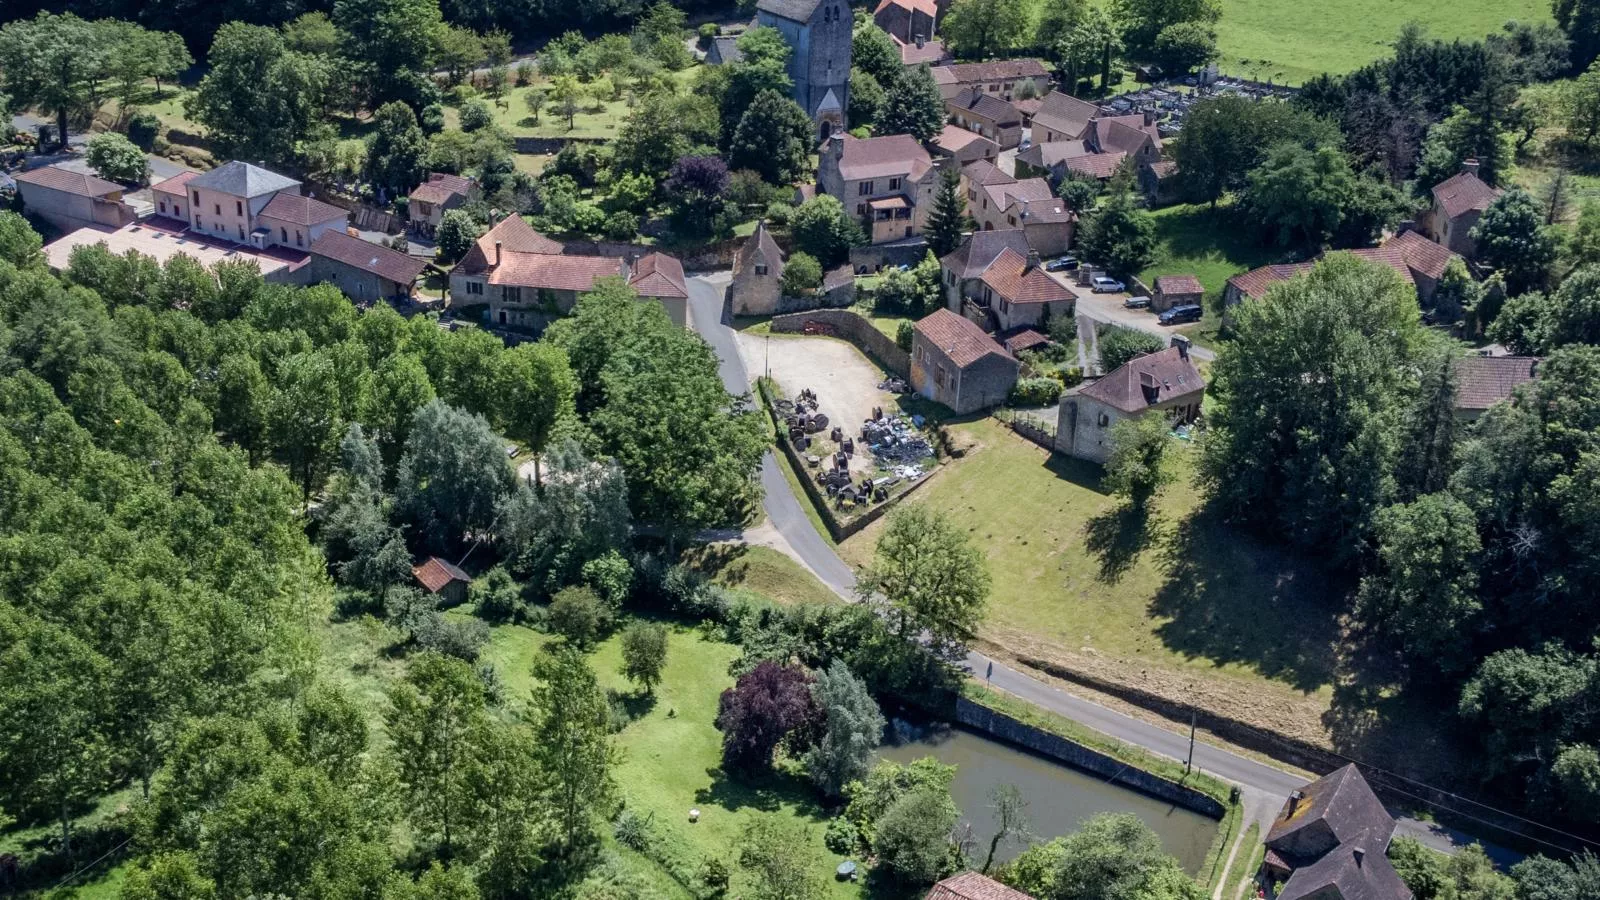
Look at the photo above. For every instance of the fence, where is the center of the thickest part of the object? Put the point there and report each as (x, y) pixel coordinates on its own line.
(853, 328)
(1034, 430)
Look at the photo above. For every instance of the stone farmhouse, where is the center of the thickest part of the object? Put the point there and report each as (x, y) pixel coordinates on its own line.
(964, 146)
(907, 21)
(756, 287)
(819, 33)
(1062, 117)
(1166, 382)
(365, 272)
(1417, 260)
(997, 201)
(961, 270)
(527, 279)
(888, 182)
(1330, 842)
(1017, 293)
(435, 196)
(69, 200)
(1072, 137)
(986, 115)
(1458, 202)
(1001, 78)
(1175, 290)
(953, 362)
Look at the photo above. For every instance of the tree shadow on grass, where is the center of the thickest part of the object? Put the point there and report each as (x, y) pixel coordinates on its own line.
(1117, 536)
(1386, 714)
(1080, 472)
(1229, 598)
(765, 792)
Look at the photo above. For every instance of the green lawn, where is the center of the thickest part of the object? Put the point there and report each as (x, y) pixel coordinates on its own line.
(1196, 240)
(594, 120)
(1286, 40)
(1181, 605)
(762, 570)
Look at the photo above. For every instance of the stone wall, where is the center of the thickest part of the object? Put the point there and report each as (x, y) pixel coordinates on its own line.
(872, 257)
(999, 725)
(853, 328)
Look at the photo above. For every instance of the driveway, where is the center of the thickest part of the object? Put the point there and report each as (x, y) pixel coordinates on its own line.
(1263, 787)
(1108, 308)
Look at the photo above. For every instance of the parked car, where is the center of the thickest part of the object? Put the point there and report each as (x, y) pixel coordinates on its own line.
(1137, 303)
(1063, 264)
(1104, 285)
(1189, 312)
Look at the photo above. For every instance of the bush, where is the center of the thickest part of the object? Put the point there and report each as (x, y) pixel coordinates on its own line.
(455, 235)
(802, 274)
(778, 213)
(115, 158)
(524, 73)
(497, 598)
(841, 836)
(142, 130)
(621, 226)
(632, 831)
(432, 118)
(577, 614)
(461, 638)
(1118, 345)
(475, 115)
(1035, 392)
(904, 334)
(459, 95)
(610, 576)
(714, 875)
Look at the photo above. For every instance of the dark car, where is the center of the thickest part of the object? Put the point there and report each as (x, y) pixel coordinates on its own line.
(1189, 312)
(1064, 264)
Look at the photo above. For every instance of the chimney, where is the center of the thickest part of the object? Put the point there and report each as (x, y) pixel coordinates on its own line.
(1294, 803)
(1406, 225)
(1360, 855)
(1149, 116)
(836, 144)
(921, 41)
(497, 245)
(1182, 343)
(1469, 166)
(1033, 259)
(1025, 217)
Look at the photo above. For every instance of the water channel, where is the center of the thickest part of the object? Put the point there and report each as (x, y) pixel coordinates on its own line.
(1059, 797)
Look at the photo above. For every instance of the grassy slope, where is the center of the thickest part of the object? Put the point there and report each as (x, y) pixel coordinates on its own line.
(761, 570)
(1195, 240)
(1198, 611)
(604, 122)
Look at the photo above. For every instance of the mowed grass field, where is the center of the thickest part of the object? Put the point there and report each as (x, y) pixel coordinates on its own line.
(1288, 40)
(1181, 605)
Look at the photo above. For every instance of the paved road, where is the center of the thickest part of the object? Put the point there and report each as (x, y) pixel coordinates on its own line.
(1263, 787)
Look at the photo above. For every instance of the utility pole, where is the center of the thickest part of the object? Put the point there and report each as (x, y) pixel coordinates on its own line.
(1190, 761)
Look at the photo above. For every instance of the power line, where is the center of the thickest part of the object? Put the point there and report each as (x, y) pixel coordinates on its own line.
(91, 865)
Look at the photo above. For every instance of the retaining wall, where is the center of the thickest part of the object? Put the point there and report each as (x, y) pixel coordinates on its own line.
(856, 330)
(997, 724)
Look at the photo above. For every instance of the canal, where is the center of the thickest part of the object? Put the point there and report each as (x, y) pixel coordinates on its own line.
(1059, 797)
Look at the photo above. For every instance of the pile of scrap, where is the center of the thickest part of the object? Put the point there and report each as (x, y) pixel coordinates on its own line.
(801, 418)
(894, 439)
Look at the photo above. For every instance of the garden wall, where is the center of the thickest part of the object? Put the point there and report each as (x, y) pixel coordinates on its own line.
(856, 330)
(997, 724)
(872, 257)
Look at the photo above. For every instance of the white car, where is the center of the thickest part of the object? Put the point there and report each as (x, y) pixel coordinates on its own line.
(1104, 285)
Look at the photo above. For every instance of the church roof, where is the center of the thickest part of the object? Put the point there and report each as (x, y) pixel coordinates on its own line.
(793, 10)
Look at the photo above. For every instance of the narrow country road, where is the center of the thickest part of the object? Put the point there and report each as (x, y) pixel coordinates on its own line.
(1263, 787)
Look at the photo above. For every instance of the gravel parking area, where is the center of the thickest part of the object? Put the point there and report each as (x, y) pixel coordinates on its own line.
(845, 381)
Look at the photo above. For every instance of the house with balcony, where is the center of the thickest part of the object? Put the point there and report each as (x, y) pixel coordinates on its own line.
(888, 182)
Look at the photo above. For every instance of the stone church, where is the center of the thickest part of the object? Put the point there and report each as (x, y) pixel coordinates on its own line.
(818, 33)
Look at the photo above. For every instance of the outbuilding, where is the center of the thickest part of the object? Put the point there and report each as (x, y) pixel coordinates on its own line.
(443, 580)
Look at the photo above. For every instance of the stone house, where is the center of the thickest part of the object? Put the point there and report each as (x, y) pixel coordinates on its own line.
(964, 146)
(1331, 841)
(526, 278)
(907, 20)
(1417, 260)
(445, 581)
(71, 200)
(363, 271)
(1017, 293)
(757, 286)
(1483, 381)
(1166, 382)
(1001, 78)
(961, 270)
(1175, 290)
(888, 182)
(659, 277)
(1062, 117)
(435, 196)
(248, 205)
(997, 201)
(1458, 203)
(987, 115)
(954, 363)
(819, 34)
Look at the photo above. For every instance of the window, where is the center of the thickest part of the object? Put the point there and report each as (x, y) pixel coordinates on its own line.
(196, 198)
(297, 241)
(993, 88)
(972, 195)
(1104, 420)
(476, 287)
(761, 268)
(861, 209)
(894, 184)
(283, 234)
(511, 294)
(1012, 220)
(241, 232)
(198, 223)
(216, 208)
(163, 207)
(864, 189)
(238, 207)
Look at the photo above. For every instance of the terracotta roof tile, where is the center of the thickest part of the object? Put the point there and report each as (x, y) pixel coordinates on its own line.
(553, 273)
(1179, 284)
(1009, 277)
(1027, 339)
(435, 574)
(883, 157)
(175, 184)
(926, 7)
(958, 338)
(1483, 381)
(302, 210)
(383, 262)
(997, 70)
(988, 106)
(953, 139)
(515, 234)
(659, 275)
(1463, 192)
(931, 53)
(1255, 283)
(1422, 255)
(1096, 165)
(441, 187)
(973, 886)
(79, 184)
(1147, 381)
(982, 172)
(981, 248)
(1128, 134)
(1164, 168)
(1065, 113)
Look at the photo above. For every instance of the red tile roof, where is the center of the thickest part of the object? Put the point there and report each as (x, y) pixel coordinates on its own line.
(515, 235)
(1164, 167)
(1096, 165)
(1179, 284)
(1027, 339)
(931, 52)
(1255, 282)
(440, 187)
(1391, 256)
(1483, 381)
(435, 574)
(998, 70)
(1147, 381)
(896, 202)
(302, 210)
(554, 273)
(383, 262)
(1028, 106)
(973, 886)
(1126, 133)
(883, 157)
(954, 139)
(958, 338)
(1463, 192)
(1010, 277)
(925, 7)
(175, 184)
(982, 171)
(1422, 255)
(67, 181)
(1065, 113)
(659, 275)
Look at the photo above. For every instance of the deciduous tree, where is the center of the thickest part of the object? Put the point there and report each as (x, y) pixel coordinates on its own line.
(932, 578)
(1512, 238)
(980, 29)
(567, 717)
(644, 654)
(452, 475)
(851, 728)
(912, 104)
(773, 137)
(1137, 467)
(759, 711)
